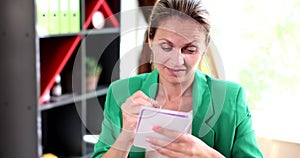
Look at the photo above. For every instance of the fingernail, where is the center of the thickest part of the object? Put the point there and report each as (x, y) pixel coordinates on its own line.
(155, 128)
(152, 146)
(156, 106)
(148, 140)
(152, 100)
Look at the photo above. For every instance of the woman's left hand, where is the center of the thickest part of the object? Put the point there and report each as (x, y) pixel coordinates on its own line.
(183, 145)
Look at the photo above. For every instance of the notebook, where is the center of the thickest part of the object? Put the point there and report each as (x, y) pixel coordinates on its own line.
(149, 117)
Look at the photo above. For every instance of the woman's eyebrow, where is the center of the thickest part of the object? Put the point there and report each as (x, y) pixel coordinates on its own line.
(164, 39)
(187, 44)
(194, 43)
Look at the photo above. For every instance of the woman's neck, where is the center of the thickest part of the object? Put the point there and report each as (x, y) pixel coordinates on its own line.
(175, 91)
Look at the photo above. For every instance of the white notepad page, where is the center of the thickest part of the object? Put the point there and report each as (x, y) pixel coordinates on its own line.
(150, 117)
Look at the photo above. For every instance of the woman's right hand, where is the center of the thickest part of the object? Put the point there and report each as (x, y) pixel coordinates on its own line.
(131, 109)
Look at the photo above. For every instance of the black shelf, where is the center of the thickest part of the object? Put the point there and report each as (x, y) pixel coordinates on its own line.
(59, 35)
(83, 32)
(73, 98)
(101, 31)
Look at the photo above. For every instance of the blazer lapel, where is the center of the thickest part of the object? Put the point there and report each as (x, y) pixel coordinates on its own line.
(203, 110)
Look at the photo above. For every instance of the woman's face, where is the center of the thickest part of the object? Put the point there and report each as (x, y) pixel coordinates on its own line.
(177, 46)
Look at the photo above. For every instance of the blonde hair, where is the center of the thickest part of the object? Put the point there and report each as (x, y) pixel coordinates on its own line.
(183, 8)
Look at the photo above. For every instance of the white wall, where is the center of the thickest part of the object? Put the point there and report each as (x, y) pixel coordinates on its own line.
(133, 27)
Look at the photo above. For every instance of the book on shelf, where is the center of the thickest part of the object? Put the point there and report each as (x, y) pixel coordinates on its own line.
(58, 16)
(64, 16)
(74, 9)
(42, 16)
(54, 17)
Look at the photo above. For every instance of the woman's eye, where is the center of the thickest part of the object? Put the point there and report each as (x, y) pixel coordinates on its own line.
(189, 50)
(166, 47)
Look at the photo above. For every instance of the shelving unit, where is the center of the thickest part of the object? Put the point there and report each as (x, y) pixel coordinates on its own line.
(55, 56)
(29, 64)
(65, 121)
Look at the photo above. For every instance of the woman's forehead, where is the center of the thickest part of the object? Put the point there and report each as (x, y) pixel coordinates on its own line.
(173, 22)
(181, 28)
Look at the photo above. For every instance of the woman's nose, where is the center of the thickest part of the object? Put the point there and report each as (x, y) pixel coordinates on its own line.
(178, 58)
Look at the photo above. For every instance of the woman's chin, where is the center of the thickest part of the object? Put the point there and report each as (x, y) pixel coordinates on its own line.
(176, 79)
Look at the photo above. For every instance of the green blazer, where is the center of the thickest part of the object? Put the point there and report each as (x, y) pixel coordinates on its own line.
(221, 117)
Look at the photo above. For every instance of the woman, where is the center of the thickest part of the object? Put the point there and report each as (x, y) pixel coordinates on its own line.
(221, 127)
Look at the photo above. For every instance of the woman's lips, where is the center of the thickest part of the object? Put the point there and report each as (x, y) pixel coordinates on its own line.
(176, 72)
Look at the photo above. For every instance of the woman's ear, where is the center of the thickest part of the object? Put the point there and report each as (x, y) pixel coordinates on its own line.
(148, 39)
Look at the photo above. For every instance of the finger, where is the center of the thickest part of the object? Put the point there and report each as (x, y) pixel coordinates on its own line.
(133, 107)
(133, 101)
(158, 142)
(169, 144)
(168, 153)
(174, 135)
(141, 94)
(142, 102)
